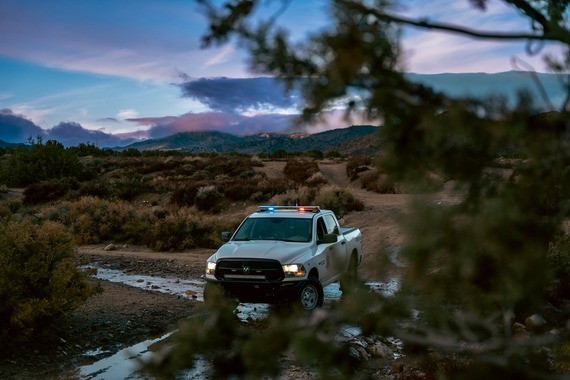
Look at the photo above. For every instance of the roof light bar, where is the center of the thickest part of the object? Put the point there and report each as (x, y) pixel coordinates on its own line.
(289, 208)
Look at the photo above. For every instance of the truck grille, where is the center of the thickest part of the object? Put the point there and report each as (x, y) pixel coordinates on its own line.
(249, 270)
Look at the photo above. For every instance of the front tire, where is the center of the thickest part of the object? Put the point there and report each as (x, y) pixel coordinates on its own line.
(311, 295)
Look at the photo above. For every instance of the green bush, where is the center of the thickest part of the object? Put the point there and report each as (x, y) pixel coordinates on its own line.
(48, 190)
(40, 162)
(129, 184)
(39, 278)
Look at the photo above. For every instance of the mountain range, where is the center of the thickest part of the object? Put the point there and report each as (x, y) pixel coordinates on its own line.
(268, 131)
(357, 139)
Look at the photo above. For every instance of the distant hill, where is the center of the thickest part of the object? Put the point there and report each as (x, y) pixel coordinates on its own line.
(5, 145)
(345, 140)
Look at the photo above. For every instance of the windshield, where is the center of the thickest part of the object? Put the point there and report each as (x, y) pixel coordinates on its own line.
(285, 229)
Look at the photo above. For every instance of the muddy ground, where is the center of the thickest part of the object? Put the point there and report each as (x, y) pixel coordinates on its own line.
(120, 315)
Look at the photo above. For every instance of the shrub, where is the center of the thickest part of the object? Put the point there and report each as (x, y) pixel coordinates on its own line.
(316, 180)
(14, 205)
(228, 165)
(377, 182)
(273, 186)
(5, 211)
(209, 199)
(240, 189)
(48, 190)
(186, 194)
(171, 234)
(315, 154)
(93, 220)
(131, 152)
(559, 259)
(130, 184)
(186, 229)
(356, 165)
(333, 154)
(39, 278)
(40, 162)
(340, 201)
(99, 189)
(300, 169)
(301, 196)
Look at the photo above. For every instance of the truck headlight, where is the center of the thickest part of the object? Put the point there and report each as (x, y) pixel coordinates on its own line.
(211, 268)
(294, 270)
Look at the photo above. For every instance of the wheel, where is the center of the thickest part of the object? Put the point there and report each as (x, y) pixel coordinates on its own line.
(349, 279)
(311, 294)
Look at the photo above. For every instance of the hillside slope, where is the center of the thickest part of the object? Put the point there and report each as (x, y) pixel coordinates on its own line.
(342, 139)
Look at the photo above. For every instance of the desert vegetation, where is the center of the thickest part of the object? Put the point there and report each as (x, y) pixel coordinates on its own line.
(478, 268)
(82, 195)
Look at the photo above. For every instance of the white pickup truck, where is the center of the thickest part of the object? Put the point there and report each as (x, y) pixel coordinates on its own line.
(285, 254)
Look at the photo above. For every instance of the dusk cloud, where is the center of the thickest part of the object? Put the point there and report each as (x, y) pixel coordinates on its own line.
(73, 134)
(240, 95)
(16, 128)
(208, 121)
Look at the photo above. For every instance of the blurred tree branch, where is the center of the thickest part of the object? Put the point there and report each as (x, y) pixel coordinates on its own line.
(476, 267)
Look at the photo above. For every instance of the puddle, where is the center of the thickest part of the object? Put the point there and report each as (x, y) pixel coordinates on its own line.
(121, 365)
(125, 363)
(193, 289)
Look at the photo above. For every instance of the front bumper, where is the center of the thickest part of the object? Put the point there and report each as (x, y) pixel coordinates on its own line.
(260, 292)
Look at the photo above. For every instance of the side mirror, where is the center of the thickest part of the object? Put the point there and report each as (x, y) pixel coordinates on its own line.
(328, 238)
(226, 236)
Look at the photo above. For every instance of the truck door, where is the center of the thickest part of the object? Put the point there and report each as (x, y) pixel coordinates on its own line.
(333, 254)
(339, 262)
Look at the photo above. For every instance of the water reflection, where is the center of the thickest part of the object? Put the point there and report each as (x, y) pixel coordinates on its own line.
(125, 364)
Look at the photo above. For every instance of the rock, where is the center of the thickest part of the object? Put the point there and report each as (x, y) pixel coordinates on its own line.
(519, 327)
(381, 350)
(360, 353)
(110, 247)
(535, 322)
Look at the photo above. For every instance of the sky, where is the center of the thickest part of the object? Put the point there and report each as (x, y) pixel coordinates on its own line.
(135, 68)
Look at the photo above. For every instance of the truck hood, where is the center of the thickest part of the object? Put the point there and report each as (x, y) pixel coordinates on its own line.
(285, 252)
